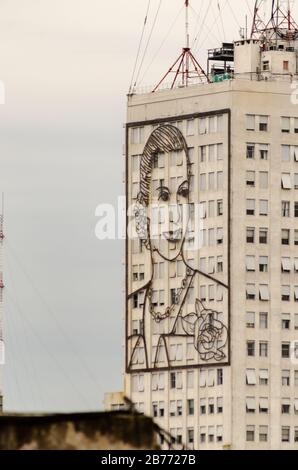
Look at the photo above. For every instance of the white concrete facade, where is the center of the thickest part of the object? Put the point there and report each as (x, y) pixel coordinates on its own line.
(246, 130)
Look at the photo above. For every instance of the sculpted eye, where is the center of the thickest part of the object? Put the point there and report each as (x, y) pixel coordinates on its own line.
(164, 194)
(183, 190)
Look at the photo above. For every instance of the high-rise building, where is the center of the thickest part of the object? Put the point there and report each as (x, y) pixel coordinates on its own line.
(212, 311)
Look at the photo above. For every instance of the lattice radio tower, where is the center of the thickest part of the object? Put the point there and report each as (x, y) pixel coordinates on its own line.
(279, 26)
(186, 68)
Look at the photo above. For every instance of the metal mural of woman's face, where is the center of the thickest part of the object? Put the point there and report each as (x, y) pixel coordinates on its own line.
(169, 206)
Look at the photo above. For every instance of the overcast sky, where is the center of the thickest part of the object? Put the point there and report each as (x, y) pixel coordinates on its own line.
(66, 66)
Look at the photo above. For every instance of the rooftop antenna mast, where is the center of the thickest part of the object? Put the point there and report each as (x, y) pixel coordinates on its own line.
(186, 68)
(281, 24)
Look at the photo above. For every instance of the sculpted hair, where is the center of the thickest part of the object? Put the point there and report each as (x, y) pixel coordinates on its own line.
(164, 139)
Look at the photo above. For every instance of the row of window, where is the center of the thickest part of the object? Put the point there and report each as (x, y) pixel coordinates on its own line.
(264, 295)
(211, 209)
(207, 406)
(262, 292)
(254, 150)
(263, 179)
(210, 153)
(205, 125)
(210, 378)
(262, 238)
(286, 209)
(212, 181)
(286, 180)
(251, 207)
(264, 208)
(288, 377)
(212, 292)
(260, 264)
(286, 238)
(286, 321)
(257, 123)
(288, 350)
(263, 405)
(289, 153)
(177, 269)
(287, 434)
(212, 433)
(261, 123)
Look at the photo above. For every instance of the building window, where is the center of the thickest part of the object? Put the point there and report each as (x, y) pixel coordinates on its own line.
(173, 380)
(286, 321)
(263, 349)
(264, 179)
(285, 237)
(264, 151)
(203, 408)
(264, 207)
(250, 346)
(263, 433)
(285, 208)
(285, 406)
(263, 125)
(263, 321)
(191, 407)
(219, 433)
(285, 293)
(250, 122)
(220, 405)
(250, 292)
(251, 377)
(190, 436)
(250, 319)
(250, 151)
(286, 265)
(250, 207)
(265, 65)
(285, 124)
(285, 378)
(286, 65)
(203, 153)
(285, 153)
(264, 405)
(250, 433)
(285, 434)
(250, 405)
(190, 127)
(264, 377)
(220, 208)
(250, 178)
(250, 263)
(263, 236)
(219, 264)
(138, 135)
(263, 264)
(286, 181)
(211, 433)
(285, 350)
(219, 376)
(264, 293)
(296, 209)
(250, 235)
(211, 406)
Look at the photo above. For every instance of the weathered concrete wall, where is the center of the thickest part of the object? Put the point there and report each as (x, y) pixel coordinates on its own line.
(91, 431)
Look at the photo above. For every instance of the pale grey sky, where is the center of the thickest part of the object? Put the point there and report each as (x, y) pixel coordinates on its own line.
(67, 65)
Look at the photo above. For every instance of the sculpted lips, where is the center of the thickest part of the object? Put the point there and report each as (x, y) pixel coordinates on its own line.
(173, 236)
